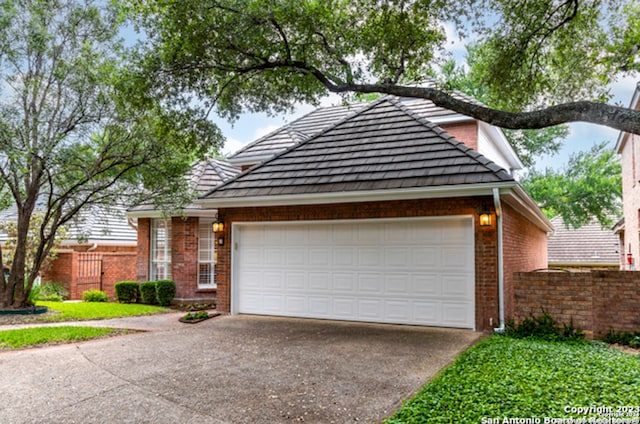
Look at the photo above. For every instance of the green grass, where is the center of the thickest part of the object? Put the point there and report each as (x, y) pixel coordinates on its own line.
(38, 336)
(502, 377)
(83, 311)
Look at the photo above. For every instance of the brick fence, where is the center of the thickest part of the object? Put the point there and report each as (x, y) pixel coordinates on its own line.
(69, 269)
(597, 301)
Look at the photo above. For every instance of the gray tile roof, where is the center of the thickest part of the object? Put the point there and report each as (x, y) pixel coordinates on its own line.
(94, 224)
(312, 123)
(204, 177)
(590, 244)
(207, 174)
(384, 145)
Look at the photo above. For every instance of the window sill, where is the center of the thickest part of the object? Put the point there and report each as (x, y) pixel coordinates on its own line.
(207, 290)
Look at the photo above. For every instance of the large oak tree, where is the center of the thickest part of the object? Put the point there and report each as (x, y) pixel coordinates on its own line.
(543, 63)
(75, 128)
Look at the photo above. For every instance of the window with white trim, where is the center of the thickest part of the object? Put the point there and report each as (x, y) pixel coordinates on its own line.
(160, 250)
(207, 255)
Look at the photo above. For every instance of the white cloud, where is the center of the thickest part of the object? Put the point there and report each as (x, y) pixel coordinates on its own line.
(232, 145)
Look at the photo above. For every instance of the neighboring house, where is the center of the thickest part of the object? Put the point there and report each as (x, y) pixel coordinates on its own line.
(588, 247)
(98, 251)
(182, 247)
(628, 147)
(378, 216)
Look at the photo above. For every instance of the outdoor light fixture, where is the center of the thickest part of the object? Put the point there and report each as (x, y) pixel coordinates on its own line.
(485, 219)
(217, 226)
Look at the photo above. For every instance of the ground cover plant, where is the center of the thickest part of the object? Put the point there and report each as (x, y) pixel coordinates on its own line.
(41, 336)
(90, 311)
(503, 377)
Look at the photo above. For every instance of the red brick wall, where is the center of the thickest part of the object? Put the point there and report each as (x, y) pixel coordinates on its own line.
(467, 132)
(596, 301)
(117, 266)
(485, 238)
(184, 258)
(60, 271)
(524, 249)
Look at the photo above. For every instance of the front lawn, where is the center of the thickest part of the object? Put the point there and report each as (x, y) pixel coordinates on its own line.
(82, 311)
(502, 377)
(40, 336)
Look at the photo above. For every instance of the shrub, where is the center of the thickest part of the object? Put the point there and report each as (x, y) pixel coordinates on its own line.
(52, 292)
(127, 291)
(95, 296)
(543, 327)
(624, 338)
(165, 291)
(148, 292)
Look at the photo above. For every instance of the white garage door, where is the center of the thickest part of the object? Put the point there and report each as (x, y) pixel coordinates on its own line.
(412, 271)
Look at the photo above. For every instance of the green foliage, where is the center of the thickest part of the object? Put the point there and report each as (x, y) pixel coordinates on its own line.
(543, 327)
(269, 55)
(589, 186)
(196, 315)
(506, 377)
(148, 293)
(91, 311)
(165, 291)
(127, 291)
(94, 296)
(52, 292)
(75, 130)
(30, 337)
(626, 338)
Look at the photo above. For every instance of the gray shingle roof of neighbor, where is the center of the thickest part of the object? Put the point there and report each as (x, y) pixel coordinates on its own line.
(96, 224)
(314, 122)
(383, 145)
(590, 244)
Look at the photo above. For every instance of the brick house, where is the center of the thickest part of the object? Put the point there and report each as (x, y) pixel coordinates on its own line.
(628, 147)
(376, 214)
(182, 247)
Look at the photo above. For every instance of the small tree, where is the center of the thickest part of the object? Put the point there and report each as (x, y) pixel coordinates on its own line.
(76, 130)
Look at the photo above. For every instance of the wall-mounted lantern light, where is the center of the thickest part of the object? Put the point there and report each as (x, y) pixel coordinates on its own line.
(485, 219)
(217, 226)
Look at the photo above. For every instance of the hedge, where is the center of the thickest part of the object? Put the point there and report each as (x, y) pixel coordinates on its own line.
(165, 291)
(148, 292)
(127, 291)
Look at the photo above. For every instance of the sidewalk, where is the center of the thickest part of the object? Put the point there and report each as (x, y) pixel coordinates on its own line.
(156, 322)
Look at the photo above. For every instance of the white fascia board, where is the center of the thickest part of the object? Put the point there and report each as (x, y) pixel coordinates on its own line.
(502, 144)
(189, 212)
(357, 196)
(623, 136)
(449, 119)
(518, 199)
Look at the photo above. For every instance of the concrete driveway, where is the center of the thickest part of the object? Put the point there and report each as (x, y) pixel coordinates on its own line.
(231, 369)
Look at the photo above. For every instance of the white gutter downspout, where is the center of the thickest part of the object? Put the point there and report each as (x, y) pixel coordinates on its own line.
(92, 248)
(498, 207)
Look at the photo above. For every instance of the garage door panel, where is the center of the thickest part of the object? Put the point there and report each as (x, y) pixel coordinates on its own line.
(296, 280)
(456, 314)
(456, 286)
(369, 256)
(406, 271)
(344, 282)
(370, 283)
(426, 285)
(345, 307)
(319, 281)
(427, 313)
